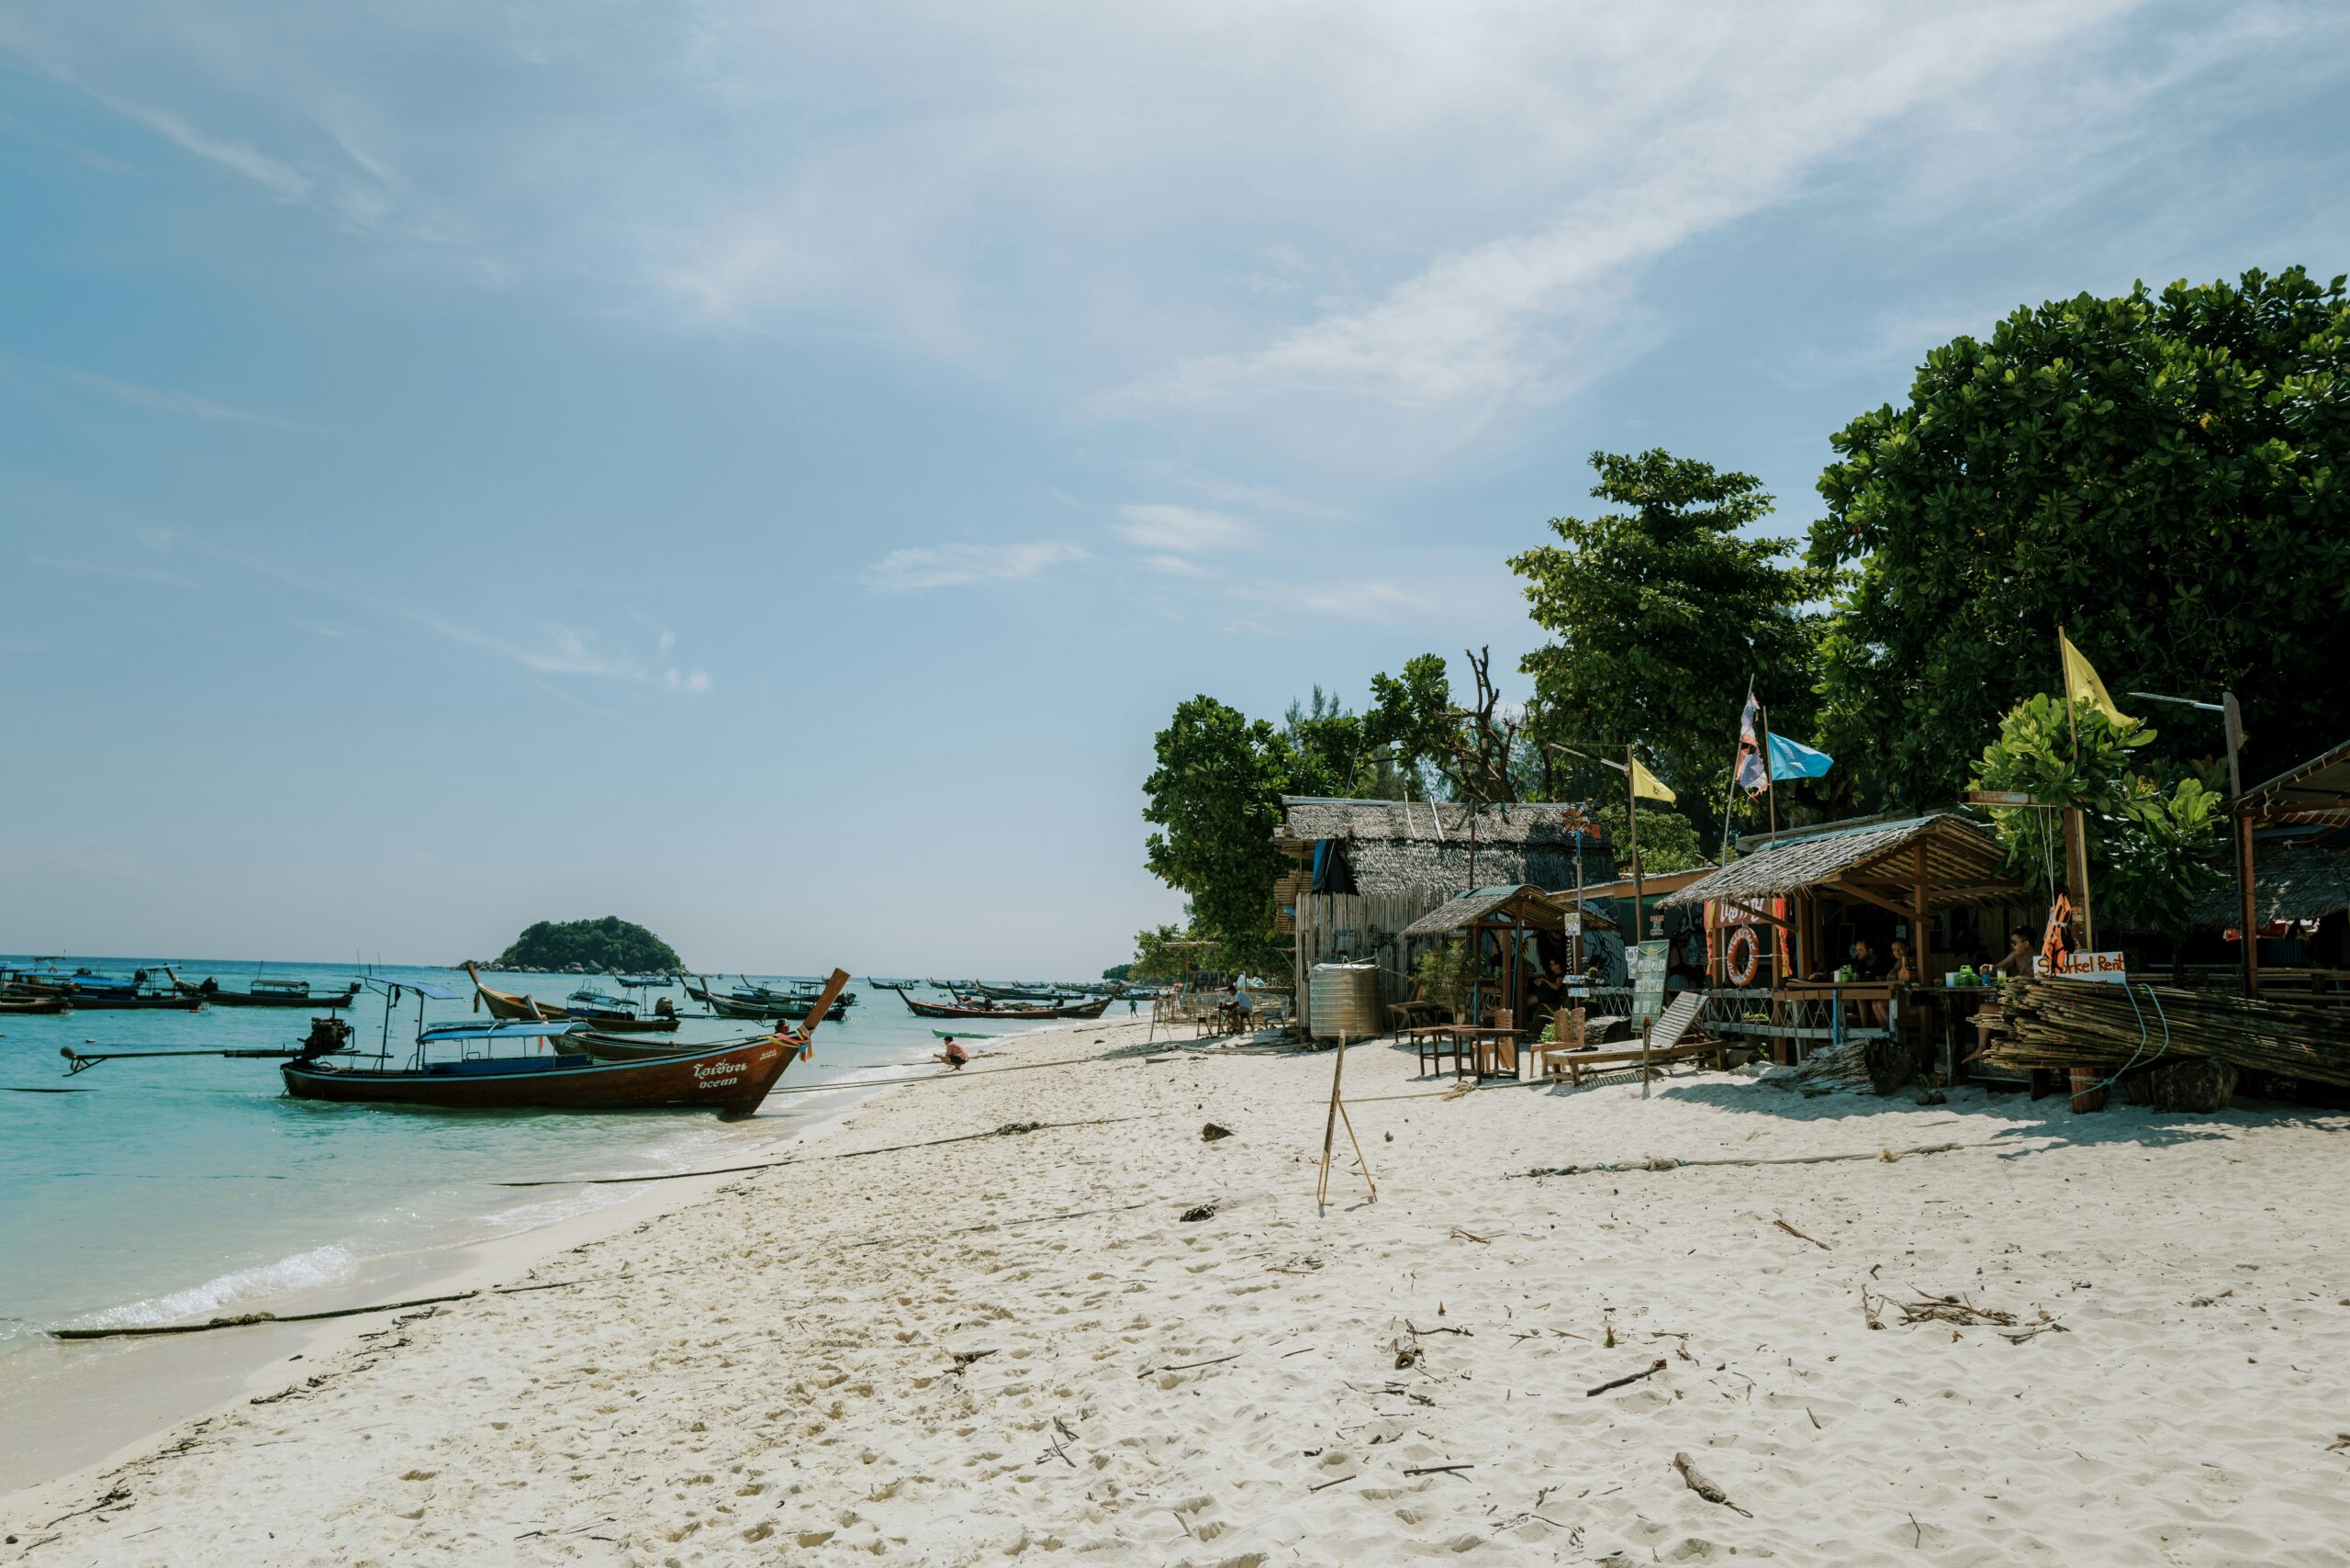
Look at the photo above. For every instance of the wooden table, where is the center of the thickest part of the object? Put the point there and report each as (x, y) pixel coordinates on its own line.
(1487, 1045)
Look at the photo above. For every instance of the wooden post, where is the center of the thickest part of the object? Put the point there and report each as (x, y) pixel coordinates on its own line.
(2077, 840)
(1632, 831)
(1647, 1025)
(1919, 945)
(1330, 1127)
(2233, 717)
(1330, 1133)
(1762, 734)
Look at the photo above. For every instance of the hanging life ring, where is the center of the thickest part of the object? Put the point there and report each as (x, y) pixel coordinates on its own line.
(1744, 957)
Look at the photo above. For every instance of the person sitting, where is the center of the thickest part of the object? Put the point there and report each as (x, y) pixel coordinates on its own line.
(954, 1056)
(1904, 968)
(2023, 948)
(1680, 973)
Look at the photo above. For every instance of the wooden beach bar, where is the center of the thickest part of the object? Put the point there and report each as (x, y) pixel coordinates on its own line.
(1782, 920)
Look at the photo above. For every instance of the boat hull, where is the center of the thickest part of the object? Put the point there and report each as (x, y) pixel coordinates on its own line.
(35, 1004)
(327, 1002)
(731, 1080)
(949, 1010)
(783, 1008)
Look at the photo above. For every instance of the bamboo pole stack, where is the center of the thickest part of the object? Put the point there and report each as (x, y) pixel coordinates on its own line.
(2069, 1023)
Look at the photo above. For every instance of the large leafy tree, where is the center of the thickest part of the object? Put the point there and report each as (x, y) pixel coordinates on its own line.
(1661, 612)
(2163, 476)
(1215, 799)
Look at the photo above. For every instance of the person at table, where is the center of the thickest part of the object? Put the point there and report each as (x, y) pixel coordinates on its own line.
(1680, 974)
(1903, 971)
(1868, 967)
(2023, 948)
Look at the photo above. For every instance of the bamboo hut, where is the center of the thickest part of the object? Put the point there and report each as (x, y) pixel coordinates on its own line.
(1362, 871)
(1780, 920)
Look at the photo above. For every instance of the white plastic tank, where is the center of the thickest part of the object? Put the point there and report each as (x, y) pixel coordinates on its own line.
(1344, 1001)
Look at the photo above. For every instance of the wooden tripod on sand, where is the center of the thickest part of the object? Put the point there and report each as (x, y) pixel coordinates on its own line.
(1330, 1134)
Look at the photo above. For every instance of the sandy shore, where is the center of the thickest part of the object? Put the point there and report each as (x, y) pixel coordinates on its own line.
(1013, 1344)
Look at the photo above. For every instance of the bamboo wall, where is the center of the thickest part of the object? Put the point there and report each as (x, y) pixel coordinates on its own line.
(1358, 926)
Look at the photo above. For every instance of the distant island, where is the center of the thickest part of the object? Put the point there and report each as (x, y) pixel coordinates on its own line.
(610, 945)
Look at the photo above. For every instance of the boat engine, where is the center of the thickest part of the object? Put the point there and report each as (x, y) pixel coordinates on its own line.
(328, 1037)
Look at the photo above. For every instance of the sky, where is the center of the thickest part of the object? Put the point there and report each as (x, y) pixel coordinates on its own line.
(766, 471)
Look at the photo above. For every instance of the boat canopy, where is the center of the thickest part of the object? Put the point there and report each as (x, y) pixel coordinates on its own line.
(495, 1031)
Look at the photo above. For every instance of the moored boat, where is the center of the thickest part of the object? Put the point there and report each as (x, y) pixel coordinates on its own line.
(266, 992)
(35, 1005)
(731, 1077)
(608, 1014)
(983, 1008)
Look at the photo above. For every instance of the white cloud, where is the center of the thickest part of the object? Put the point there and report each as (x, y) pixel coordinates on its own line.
(1175, 567)
(1180, 530)
(952, 566)
(1401, 227)
(183, 403)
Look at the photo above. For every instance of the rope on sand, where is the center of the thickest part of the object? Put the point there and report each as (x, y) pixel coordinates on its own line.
(1664, 1162)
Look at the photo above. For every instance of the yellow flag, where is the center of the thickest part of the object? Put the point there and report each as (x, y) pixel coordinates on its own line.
(2081, 683)
(1644, 783)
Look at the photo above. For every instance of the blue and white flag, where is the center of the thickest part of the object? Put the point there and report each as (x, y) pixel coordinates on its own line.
(1787, 759)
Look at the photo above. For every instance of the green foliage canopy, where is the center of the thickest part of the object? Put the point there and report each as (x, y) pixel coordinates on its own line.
(1661, 612)
(2166, 476)
(610, 945)
(1668, 840)
(1216, 800)
(2151, 841)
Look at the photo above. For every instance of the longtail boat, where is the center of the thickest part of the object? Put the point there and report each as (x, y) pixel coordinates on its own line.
(985, 1009)
(748, 1001)
(610, 1014)
(35, 1005)
(266, 993)
(731, 1077)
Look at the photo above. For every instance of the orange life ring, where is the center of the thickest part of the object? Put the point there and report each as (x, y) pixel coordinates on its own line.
(1743, 956)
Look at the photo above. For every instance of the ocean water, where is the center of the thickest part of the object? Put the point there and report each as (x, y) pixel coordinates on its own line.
(162, 1189)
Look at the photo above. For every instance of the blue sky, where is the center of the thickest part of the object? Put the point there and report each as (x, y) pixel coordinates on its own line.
(766, 471)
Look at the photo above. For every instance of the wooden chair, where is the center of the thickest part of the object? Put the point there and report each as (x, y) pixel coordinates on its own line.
(1414, 1013)
(1433, 1042)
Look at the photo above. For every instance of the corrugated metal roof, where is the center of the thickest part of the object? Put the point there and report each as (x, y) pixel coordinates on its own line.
(1964, 864)
(2316, 791)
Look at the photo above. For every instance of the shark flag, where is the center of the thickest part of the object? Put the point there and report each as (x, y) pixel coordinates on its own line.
(1645, 783)
(2081, 683)
(1759, 766)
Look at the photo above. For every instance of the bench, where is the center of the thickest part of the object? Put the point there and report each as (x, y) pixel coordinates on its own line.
(1667, 1041)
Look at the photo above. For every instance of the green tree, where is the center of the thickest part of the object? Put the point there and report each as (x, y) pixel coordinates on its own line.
(2153, 841)
(1660, 613)
(1668, 841)
(2165, 477)
(1164, 953)
(1215, 799)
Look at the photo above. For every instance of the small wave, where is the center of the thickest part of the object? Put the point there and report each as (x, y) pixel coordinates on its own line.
(319, 1266)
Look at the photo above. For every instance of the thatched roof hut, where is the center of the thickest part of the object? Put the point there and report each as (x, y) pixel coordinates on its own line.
(1367, 870)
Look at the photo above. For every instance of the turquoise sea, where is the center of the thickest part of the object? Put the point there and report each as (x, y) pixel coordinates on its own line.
(158, 1190)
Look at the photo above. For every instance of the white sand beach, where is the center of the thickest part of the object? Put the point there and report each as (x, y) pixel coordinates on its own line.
(1021, 1344)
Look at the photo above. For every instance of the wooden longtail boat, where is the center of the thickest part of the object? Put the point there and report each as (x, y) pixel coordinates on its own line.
(750, 1001)
(988, 1010)
(267, 993)
(731, 1079)
(35, 1005)
(523, 1008)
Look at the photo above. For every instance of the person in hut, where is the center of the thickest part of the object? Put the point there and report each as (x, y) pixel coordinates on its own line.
(2023, 948)
(954, 1056)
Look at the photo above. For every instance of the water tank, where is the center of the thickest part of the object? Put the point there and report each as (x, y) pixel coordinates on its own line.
(1344, 1000)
